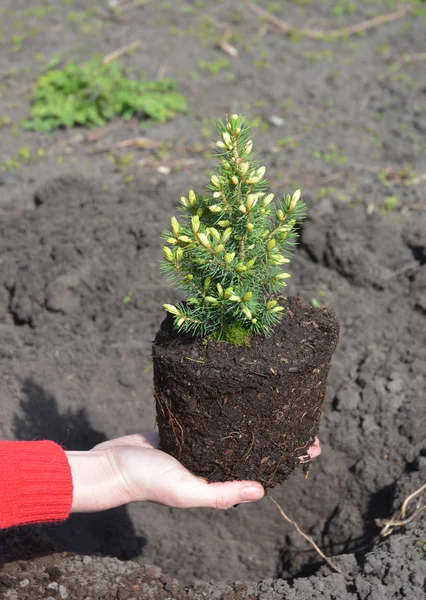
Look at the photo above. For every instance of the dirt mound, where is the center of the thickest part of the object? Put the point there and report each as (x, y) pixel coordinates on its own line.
(394, 569)
(81, 301)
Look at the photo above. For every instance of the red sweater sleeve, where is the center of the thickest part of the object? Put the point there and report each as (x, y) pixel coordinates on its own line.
(35, 483)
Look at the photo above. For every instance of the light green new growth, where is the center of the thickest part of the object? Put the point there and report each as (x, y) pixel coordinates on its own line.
(227, 250)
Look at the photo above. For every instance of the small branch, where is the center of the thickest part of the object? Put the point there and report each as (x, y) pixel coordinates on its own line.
(317, 34)
(330, 563)
(100, 132)
(226, 46)
(416, 207)
(128, 49)
(125, 6)
(139, 142)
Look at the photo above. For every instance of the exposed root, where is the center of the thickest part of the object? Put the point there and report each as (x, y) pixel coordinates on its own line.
(318, 34)
(177, 428)
(279, 461)
(177, 431)
(247, 454)
(388, 525)
(311, 541)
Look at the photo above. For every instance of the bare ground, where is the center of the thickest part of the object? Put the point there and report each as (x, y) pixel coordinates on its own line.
(345, 120)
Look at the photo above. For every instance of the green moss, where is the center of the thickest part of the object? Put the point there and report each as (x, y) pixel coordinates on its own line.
(318, 55)
(420, 546)
(215, 66)
(343, 7)
(333, 155)
(236, 334)
(390, 204)
(287, 142)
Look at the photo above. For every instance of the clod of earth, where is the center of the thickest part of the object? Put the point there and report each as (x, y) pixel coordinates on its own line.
(244, 412)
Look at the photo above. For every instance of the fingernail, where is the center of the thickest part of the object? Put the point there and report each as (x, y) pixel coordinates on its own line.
(250, 494)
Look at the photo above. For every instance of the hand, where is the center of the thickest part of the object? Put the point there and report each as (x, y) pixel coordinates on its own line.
(132, 469)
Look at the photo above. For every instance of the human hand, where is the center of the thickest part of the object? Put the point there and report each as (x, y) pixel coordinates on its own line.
(132, 469)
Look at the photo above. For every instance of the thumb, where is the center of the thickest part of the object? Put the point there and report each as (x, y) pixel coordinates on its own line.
(223, 495)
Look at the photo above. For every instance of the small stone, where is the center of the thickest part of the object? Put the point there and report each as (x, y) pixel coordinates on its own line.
(53, 586)
(276, 121)
(127, 375)
(87, 560)
(154, 572)
(369, 425)
(164, 170)
(63, 592)
(395, 386)
(24, 583)
(349, 398)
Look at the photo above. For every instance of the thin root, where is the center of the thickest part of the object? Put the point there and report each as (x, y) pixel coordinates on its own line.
(388, 525)
(311, 541)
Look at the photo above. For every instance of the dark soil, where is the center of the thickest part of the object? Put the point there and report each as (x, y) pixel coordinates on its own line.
(245, 412)
(343, 120)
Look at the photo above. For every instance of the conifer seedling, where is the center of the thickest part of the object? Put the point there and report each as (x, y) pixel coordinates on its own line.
(240, 370)
(227, 249)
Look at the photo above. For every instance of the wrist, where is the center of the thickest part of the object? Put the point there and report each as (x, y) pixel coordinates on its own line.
(94, 481)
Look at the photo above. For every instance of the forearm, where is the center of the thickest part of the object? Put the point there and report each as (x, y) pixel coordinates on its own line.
(95, 481)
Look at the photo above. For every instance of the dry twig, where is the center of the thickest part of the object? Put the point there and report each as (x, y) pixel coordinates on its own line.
(416, 207)
(139, 142)
(311, 541)
(125, 6)
(318, 34)
(226, 46)
(128, 49)
(388, 525)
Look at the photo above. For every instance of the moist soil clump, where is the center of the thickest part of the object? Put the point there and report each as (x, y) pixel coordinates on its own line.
(246, 412)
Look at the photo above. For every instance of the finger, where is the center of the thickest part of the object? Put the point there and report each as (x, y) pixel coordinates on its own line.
(312, 452)
(222, 495)
(315, 450)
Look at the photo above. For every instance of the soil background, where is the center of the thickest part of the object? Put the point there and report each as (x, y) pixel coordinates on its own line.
(81, 292)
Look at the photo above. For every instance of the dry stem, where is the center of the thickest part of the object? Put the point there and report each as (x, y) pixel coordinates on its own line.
(128, 49)
(139, 142)
(311, 541)
(318, 34)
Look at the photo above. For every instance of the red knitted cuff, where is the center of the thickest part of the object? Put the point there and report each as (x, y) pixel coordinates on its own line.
(35, 483)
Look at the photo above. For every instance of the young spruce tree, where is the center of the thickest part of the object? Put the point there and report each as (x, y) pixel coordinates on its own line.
(227, 249)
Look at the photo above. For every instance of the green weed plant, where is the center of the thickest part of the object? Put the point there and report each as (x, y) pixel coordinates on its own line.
(92, 93)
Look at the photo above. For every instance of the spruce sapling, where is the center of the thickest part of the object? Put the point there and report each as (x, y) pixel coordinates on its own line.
(228, 247)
